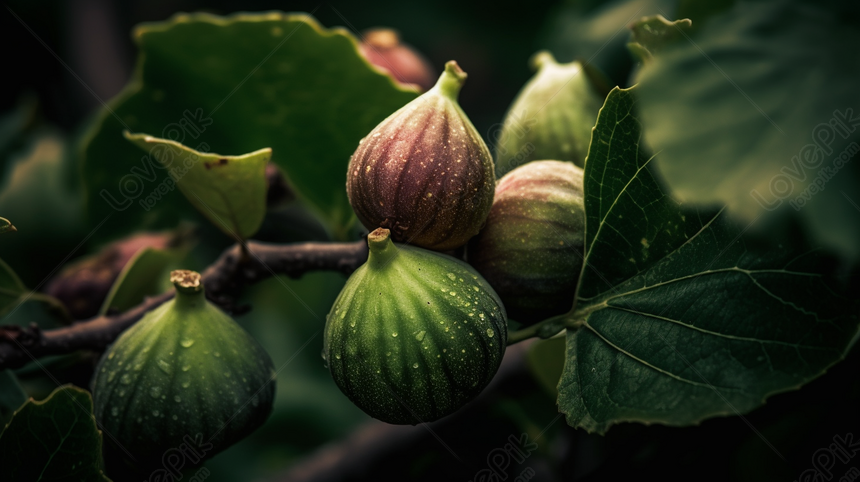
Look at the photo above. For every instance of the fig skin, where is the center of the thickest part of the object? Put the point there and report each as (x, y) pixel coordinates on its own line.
(552, 116)
(531, 249)
(414, 335)
(424, 172)
(185, 368)
(382, 48)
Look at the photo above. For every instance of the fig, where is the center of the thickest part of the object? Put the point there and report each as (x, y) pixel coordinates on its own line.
(83, 285)
(531, 249)
(186, 369)
(424, 173)
(552, 116)
(414, 335)
(382, 47)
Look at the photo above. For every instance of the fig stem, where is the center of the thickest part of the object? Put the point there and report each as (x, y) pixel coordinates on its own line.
(543, 58)
(382, 249)
(186, 281)
(451, 80)
(544, 329)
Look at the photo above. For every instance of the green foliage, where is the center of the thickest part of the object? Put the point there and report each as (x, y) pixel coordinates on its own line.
(142, 276)
(12, 395)
(55, 439)
(234, 85)
(229, 190)
(653, 34)
(755, 111)
(11, 288)
(680, 316)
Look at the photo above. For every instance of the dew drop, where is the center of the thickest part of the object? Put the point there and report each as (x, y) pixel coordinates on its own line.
(186, 384)
(453, 293)
(388, 354)
(164, 366)
(111, 376)
(121, 393)
(155, 413)
(217, 354)
(414, 365)
(177, 398)
(452, 276)
(185, 368)
(394, 334)
(420, 335)
(352, 324)
(175, 417)
(337, 355)
(125, 379)
(155, 391)
(187, 342)
(490, 332)
(111, 355)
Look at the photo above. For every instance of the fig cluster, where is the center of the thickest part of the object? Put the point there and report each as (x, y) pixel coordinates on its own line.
(415, 334)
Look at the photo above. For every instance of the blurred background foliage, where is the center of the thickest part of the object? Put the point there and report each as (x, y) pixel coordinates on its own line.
(45, 109)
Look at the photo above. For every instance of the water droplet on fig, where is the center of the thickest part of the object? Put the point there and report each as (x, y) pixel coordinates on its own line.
(187, 342)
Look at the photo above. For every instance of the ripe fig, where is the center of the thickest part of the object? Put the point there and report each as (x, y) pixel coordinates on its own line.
(382, 48)
(424, 172)
(414, 335)
(551, 117)
(83, 285)
(186, 368)
(531, 249)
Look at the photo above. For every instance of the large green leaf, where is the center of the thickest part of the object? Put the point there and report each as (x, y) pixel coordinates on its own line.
(55, 439)
(229, 190)
(679, 315)
(756, 110)
(236, 84)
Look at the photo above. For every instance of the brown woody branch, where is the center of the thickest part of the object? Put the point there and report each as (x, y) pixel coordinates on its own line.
(223, 280)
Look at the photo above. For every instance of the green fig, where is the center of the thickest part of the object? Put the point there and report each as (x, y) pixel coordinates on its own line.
(424, 173)
(186, 369)
(414, 335)
(551, 117)
(531, 249)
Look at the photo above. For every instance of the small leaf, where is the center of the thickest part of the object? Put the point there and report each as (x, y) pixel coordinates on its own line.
(11, 287)
(6, 226)
(680, 315)
(651, 34)
(229, 190)
(55, 439)
(12, 396)
(142, 276)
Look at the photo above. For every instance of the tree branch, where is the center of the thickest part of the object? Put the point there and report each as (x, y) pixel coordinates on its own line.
(223, 280)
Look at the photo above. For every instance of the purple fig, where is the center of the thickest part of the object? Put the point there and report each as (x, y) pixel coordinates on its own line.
(424, 173)
(382, 48)
(531, 249)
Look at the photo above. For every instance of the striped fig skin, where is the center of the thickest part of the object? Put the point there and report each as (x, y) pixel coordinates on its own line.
(552, 116)
(185, 368)
(424, 172)
(531, 249)
(414, 335)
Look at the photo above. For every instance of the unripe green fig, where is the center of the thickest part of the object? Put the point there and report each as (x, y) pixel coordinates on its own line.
(414, 335)
(186, 368)
(531, 249)
(424, 173)
(552, 116)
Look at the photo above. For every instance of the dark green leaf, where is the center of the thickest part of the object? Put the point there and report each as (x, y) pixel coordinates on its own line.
(229, 190)
(145, 274)
(234, 85)
(760, 111)
(12, 395)
(55, 439)
(680, 316)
